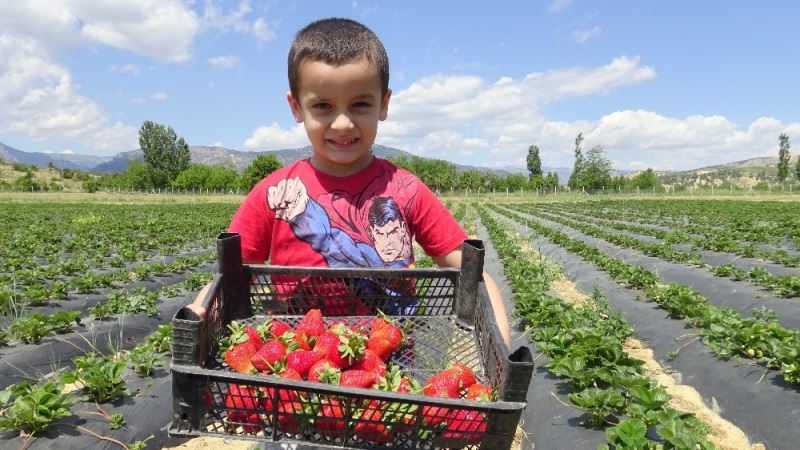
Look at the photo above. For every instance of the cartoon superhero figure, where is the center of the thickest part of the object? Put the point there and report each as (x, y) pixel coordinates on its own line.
(389, 244)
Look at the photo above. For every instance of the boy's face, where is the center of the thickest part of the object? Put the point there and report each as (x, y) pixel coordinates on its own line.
(340, 107)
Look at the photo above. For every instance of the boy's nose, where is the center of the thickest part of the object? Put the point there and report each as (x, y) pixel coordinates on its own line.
(342, 122)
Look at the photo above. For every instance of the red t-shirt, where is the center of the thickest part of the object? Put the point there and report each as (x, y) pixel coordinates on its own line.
(299, 216)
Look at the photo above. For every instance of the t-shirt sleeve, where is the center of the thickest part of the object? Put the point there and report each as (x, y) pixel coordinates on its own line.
(435, 229)
(253, 224)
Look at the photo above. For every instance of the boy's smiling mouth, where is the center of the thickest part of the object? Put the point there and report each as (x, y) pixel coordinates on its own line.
(343, 142)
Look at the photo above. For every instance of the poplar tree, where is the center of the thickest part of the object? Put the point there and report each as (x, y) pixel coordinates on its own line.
(534, 162)
(783, 157)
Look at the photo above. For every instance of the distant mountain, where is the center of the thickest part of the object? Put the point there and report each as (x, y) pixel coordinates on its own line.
(220, 155)
(60, 160)
(759, 161)
(214, 156)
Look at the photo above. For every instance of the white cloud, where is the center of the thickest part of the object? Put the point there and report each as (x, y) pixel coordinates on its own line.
(274, 137)
(468, 119)
(224, 62)
(67, 151)
(40, 100)
(131, 69)
(159, 96)
(581, 36)
(159, 29)
(236, 20)
(216, 144)
(558, 5)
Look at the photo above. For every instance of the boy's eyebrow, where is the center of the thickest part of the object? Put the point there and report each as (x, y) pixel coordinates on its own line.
(367, 96)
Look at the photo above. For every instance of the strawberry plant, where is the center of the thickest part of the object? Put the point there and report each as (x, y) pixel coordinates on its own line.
(599, 404)
(142, 360)
(30, 329)
(629, 434)
(32, 409)
(100, 376)
(161, 339)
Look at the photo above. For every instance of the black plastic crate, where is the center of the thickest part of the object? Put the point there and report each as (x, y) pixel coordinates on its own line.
(447, 315)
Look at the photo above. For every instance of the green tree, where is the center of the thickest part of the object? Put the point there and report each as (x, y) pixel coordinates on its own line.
(194, 177)
(222, 177)
(534, 162)
(262, 166)
(797, 169)
(783, 157)
(165, 153)
(437, 174)
(515, 181)
(645, 180)
(137, 176)
(596, 169)
(578, 167)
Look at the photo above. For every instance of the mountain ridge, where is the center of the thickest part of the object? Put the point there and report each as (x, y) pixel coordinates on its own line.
(215, 155)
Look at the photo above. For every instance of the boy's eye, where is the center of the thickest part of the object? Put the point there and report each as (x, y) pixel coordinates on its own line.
(361, 105)
(322, 105)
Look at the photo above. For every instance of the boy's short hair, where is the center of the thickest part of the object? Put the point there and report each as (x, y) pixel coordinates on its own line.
(337, 41)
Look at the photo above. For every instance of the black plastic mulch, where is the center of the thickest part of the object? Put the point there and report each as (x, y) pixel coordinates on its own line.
(756, 400)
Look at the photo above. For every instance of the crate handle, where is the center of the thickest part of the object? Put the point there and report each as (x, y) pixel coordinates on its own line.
(235, 298)
(472, 252)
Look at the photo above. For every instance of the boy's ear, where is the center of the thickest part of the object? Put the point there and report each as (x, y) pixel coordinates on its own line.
(297, 112)
(385, 105)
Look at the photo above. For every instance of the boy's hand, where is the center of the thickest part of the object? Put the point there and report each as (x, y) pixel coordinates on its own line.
(288, 198)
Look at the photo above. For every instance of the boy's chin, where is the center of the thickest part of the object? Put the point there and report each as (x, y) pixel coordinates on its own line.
(344, 162)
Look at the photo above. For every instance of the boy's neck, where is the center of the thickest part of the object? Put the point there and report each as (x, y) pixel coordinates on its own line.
(344, 170)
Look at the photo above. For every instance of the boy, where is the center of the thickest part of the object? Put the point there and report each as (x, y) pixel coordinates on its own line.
(343, 207)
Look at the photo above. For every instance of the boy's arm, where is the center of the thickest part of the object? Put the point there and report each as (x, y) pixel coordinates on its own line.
(453, 259)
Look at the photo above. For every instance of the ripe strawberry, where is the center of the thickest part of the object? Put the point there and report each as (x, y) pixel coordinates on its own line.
(238, 357)
(381, 346)
(318, 368)
(288, 421)
(481, 392)
(270, 354)
(465, 424)
(250, 423)
(311, 325)
(302, 360)
(444, 384)
(242, 397)
(341, 346)
(254, 337)
(279, 328)
(237, 349)
(330, 420)
(284, 395)
(357, 378)
(384, 328)
(372, 363)
(299, 341)
(466, 377)
(248, 405)
(370, 426)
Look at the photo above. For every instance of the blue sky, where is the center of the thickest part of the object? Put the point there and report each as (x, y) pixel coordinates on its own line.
(669, 85)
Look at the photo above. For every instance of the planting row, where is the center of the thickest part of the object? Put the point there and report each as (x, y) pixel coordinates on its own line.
(726, 219)
(48, 240)
(700, 236)
(584, 345)
(760, 338)
(781, 285)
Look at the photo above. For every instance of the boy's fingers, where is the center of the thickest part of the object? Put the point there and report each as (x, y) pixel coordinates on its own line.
(197, 309)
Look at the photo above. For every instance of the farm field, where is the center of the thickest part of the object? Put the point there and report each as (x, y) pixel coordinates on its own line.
(653, 322)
